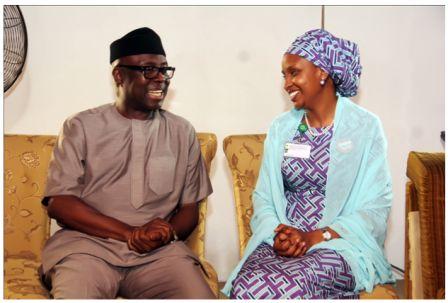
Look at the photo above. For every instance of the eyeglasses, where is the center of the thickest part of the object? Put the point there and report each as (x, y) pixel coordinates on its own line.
(150, 72)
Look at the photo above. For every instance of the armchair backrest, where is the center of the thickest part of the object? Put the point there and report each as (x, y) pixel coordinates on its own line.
(244, 154)
(425, 214)
(26, 224)
(195, 241)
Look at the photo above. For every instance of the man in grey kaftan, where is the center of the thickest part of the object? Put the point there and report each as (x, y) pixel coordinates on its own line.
(124, 182)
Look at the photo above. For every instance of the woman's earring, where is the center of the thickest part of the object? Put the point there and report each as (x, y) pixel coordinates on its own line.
(322, 82)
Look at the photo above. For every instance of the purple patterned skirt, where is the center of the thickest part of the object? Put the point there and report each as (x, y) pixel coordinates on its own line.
(320, 274)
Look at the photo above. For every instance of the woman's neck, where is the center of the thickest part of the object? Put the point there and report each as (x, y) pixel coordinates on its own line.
(322, 114)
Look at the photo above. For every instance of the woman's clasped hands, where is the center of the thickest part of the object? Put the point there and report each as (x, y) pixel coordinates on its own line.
(291, 242)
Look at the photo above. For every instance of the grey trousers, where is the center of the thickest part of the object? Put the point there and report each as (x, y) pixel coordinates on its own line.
(83, 276)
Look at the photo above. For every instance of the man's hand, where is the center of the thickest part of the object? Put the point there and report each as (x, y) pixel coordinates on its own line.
(150, 236)
(162, 227)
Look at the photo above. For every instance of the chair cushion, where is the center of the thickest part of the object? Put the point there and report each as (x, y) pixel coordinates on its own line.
(384, 291)
(211, 278)
(22, 280)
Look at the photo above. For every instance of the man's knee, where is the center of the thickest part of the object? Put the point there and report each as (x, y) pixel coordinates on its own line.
(171, 278)
(190, 283)
(83, 277)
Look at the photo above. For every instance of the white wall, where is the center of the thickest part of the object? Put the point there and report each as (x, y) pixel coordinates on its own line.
(228, 80)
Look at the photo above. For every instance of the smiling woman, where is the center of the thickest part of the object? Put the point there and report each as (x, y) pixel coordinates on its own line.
(319, 213)
(308, 86)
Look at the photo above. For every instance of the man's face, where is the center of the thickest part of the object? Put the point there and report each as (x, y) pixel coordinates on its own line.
(140, 93)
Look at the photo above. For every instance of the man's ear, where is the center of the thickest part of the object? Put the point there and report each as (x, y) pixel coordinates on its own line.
(118, 76)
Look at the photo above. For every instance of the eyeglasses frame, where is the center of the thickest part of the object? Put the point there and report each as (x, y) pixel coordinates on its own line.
(144, 69)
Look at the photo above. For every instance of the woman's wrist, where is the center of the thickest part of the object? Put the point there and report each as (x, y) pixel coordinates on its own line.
(325, 234)
(316, 237)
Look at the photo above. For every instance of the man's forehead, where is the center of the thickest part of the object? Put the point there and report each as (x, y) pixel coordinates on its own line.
(144, 59)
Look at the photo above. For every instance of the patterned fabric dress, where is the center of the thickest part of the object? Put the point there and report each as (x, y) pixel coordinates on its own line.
(321, 274)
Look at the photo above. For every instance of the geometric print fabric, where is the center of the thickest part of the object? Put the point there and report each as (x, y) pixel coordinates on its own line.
(320, 274)
(338, 57)
(305, 179)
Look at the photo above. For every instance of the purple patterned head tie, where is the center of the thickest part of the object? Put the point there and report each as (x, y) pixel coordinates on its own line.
(337, 56)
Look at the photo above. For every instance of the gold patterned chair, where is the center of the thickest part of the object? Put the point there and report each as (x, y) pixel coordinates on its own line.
(244, 154)
(425, 226)
(27, 226)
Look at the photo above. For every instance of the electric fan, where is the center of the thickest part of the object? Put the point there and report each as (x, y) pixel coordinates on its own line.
(15, 43)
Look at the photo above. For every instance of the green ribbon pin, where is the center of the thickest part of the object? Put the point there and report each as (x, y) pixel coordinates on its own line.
(302, 128)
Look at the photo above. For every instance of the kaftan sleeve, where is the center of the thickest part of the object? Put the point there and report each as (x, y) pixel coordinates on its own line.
(197, 182)
(66, 168)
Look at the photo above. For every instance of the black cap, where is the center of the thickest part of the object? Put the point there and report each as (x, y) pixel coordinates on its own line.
(140, 41)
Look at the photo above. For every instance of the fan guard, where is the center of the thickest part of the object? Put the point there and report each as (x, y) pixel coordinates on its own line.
(15, 44)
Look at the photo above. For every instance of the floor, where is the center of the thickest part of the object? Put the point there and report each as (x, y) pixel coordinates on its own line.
(399, 288)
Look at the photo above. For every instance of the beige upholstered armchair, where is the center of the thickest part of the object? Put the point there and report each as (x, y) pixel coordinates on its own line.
(27, 226)
(425, 226)
(244, 154)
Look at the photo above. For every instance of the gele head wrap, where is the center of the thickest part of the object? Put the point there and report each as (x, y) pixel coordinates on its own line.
(336, 56)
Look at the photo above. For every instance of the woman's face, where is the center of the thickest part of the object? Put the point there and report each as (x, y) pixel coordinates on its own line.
(302, 80)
